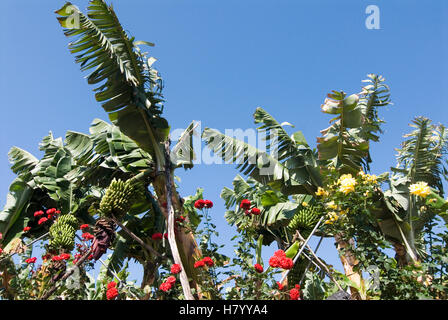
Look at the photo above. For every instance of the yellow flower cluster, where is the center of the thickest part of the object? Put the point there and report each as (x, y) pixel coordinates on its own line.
(420, 189)
(321, 192)
(331, 205)
(368, 177)
(334, 216)
(347, 183)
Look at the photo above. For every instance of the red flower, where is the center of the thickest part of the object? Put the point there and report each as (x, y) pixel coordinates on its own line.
(38, 213)
(87, 236)
(280, 253)
(1, 250)
(165, 235)
(294, 294)
(56, 258)
(245, 204)
(157, 236)
(286, 263)
(166, 286)
(64, 256)
(31, 260)
(247, 212)
(274, 262)
(26, 229)
(58, 212)
(208, 261)
(175, 268)
(280, 286)
(255, 211)
(170, 280)
(90, 257)
(51, 211)
(111, 284)
(208, 203)
(46, 256)
(199, 264)
(258, 268)
(84, 226)
(112, 293)
(42, 220)
(180, 219)
(199, 204)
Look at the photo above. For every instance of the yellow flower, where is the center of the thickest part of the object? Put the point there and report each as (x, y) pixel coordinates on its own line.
(420, 189)
(347, 183)
(321, 192)
(371, 178)
(305, 204)
(361, 173)
(367, 193)
(331, 205)
(343, 212)
(333, 216)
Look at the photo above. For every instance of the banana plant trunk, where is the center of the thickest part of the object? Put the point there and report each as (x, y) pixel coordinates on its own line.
(186, 243)
(349, 261)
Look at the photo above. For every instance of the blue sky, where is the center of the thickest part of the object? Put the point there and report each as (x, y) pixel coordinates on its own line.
(222, 59)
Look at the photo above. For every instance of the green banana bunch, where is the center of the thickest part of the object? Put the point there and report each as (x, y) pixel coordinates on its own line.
(119, 197)
(304, 220)
(62, 232)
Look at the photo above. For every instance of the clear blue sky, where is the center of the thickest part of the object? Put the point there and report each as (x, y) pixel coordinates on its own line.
(222, 59)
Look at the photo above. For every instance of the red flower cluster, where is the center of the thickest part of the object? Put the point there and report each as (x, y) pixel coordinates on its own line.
(42, 220)
(279, 260)
(201, 203)
(46, 257)
(31, 260)
(294, 294)
(157, 236)
(83, 226)
(175, 268)
(280, 286)
(205, 261)
(38, 213)
(52, 212)
(112, 291)
(246, 204)
(199, 264)
(87, 236)
(258, 268)
(63, 256)
(26, 229)
(167, 284)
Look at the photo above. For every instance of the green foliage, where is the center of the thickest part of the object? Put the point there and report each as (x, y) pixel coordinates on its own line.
(291, 170)
(345, 144)
(126, 84)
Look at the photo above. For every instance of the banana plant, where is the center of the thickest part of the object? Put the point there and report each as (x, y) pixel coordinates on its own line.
(295, 167)
(130, 91)
(420, 159)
